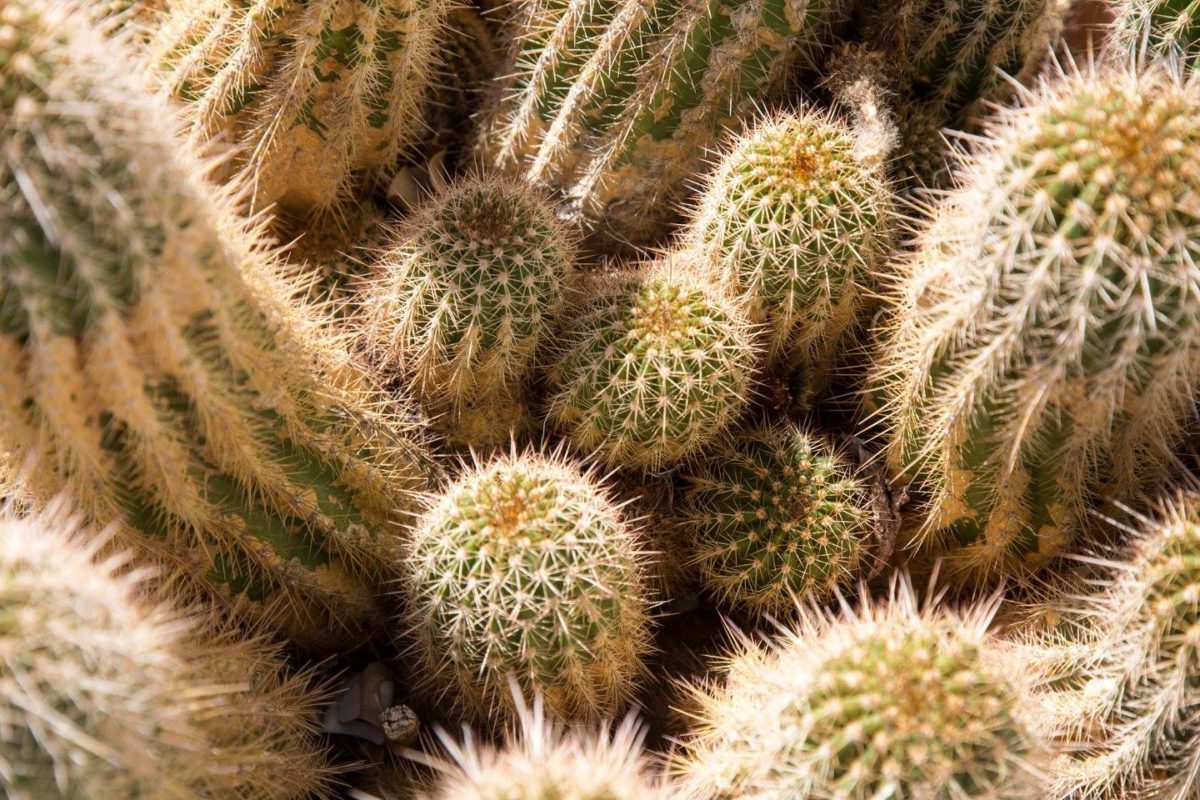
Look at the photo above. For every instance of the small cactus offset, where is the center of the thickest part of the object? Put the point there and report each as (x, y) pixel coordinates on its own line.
(105, 695)
(889, 701)
(1047, 334)
(467, 290)
(525, 567)
(776, 516)
(321, 95)
(656, 363)
(1126, 702)
(158, 365)
(797, 220)
(539, 760)
(613, 104)
(1165, 26)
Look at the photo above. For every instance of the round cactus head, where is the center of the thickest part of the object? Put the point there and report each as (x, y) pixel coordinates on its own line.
(656, 364)
(539, 761)
(524, 567)
(776, 516)
(466, 290)
(887, 702)
(796, 219)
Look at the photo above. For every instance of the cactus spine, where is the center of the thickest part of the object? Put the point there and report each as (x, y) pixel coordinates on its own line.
(525, 567)
(106, 696)
(156, 364)
(655, 365)
(796, 220)
(776, 516)
(1167, 26)
(320, 94)
(888, 701)
(539, 760)
(1048, 328)
(613, 104)
(467, 289)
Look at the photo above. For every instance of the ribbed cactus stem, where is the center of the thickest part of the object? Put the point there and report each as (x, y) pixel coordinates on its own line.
(467, 289)
(655, 364)
(158, 363)
(887, 701)
(1047, 332)
(321, 95)
(105, 695)
(776, 516)
(524, 567)
(796, 220)
(613, 104)
(1161, 26)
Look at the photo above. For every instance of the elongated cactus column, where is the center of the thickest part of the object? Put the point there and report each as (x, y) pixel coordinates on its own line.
(321, 95)
(156, 364)
(614, 104)
(1047, 333)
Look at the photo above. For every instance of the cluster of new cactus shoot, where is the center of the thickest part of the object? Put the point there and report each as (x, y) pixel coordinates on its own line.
(620, 226)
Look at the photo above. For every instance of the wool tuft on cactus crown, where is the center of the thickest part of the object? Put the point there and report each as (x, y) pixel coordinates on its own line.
(162, 366)
(525, 568)
(108, 695)
(1046, 335)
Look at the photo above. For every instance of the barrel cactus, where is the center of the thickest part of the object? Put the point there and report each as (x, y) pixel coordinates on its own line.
(158, 365)
(613, 104)
(655, 364)
(524, 567)
(887, 701)
(776, 516)
(106, 695)
(1047, 332)
(321, 95)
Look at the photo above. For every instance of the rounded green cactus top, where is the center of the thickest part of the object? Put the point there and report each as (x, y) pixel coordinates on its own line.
(796, 219)
(776, 515)
(657, 362)
(525, 568)
(540, 761)
(888, 702)
(468, 288)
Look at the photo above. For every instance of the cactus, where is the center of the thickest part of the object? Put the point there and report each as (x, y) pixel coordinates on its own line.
(322, 95)
(655, 365)
(540, 760)
(1166, 26)
(796, 220)
(473, 54)
(776, 515)
(525, 567)
(157, 363)
(1047, 335)
(1121, 681)
(613, 104)
(466, 291)
(887, 701)
(105, 695)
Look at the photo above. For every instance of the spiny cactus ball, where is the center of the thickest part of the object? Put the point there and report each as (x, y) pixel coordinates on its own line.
(889, 701)
(525, 567)
(467, 289)
(540, 761)
(796, 220)
(107, 695)
(1047, 329)
(775, 516)
(655, 364)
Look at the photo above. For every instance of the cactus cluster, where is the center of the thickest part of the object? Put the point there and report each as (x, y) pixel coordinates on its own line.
(158, 365)
(107, 695)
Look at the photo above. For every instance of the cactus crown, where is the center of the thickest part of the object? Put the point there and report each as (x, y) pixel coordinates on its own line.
(539, 760)
(776, 516)
(888, 701)
(796, 219)
(468, 288)
(524, 567)
(1049, 331)
(654, 366)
